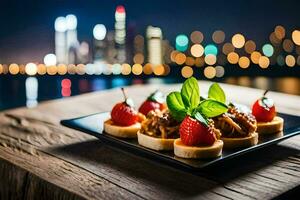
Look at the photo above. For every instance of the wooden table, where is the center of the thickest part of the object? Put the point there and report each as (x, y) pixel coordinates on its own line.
(40, 159)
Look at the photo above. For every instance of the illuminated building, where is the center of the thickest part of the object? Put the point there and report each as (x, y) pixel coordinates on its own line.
(120, 33)
(72, 41)
(60, 39)
(154, 41)
(99, 33)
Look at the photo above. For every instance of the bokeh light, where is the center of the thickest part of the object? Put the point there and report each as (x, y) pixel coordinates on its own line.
(61, 69)
(280, 60)
(296, 37)
(13, 69)
(255, 57)
(199, 62)
(209, 72)
(218, 36)
(50, 59)
(210, 49)
(227, 48)
(197, 50)
(238, 40)
(147, 69)
(268, 50)
(288, 45)
(264, 62)
(137, 69)
(187, 71)
(159, 70)
(196, 37)
(31, 69)
(182, 42)
(180, 58)
(250, 46)
(190, 61)
(99, 32)
(279, 32)
(220, 71)
(290, 60)
(210, 59)
(244, 62)
(125, 69)
(233, 58)
(274, 40)
(138, 58)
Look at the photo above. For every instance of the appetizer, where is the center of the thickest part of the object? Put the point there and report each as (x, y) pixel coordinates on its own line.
(237, 127)
(124, 121)
(265, 113)
(158, 131)
(154, 102)
(198, 137)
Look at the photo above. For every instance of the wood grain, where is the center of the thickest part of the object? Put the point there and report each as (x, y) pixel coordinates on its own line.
(39, 157)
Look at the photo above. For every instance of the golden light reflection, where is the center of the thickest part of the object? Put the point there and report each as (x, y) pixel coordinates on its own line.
(244, 62)
(250, 46)
(147, 69)
(296, 37)
(210, 59)
(255, 57)
(22, 69)
(126, 69)
(238, 40)
(51, 70)
(290, 60)
(233, 58)
(13, 69)
(298, 60)
(173, 55)
(159, 70)
(1, 69)
(264, 62)
(180, 58)
(196, 37)
(61, 69)
(80, 69)
(41, 69)
(210, 72)
(218, 36)
(187, 71)
(197, 50)
(71, 69)
(227, 48)
(137, 69)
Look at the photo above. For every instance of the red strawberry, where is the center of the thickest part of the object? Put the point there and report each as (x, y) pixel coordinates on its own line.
(153, 102)
(263, 109)
(193, 133)
(123, 113)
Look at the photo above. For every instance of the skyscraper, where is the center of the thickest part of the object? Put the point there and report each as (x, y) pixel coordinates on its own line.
(120, 33)
(154, 41)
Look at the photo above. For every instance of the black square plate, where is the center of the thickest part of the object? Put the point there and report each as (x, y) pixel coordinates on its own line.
(93, 125)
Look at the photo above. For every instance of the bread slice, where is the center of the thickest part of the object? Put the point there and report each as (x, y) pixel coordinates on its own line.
(274, 126)
(231, 143)
(121, 131)
(158, 144)
(184, 151)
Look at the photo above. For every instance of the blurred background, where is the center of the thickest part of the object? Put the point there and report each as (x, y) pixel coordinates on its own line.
(59, 48)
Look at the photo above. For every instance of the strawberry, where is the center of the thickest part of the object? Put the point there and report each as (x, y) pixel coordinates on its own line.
(153, 102)
(193, 133)
(263, 109)
(123, 113)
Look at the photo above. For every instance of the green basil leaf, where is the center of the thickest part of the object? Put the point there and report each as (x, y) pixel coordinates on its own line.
(212, 108)
(216, 92)
(201, 119)
(176, 106)
(190, 93)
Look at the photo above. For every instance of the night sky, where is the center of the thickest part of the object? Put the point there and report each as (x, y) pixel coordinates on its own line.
(27, 32)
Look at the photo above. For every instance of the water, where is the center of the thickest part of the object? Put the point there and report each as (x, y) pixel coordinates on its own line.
(17, 91)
